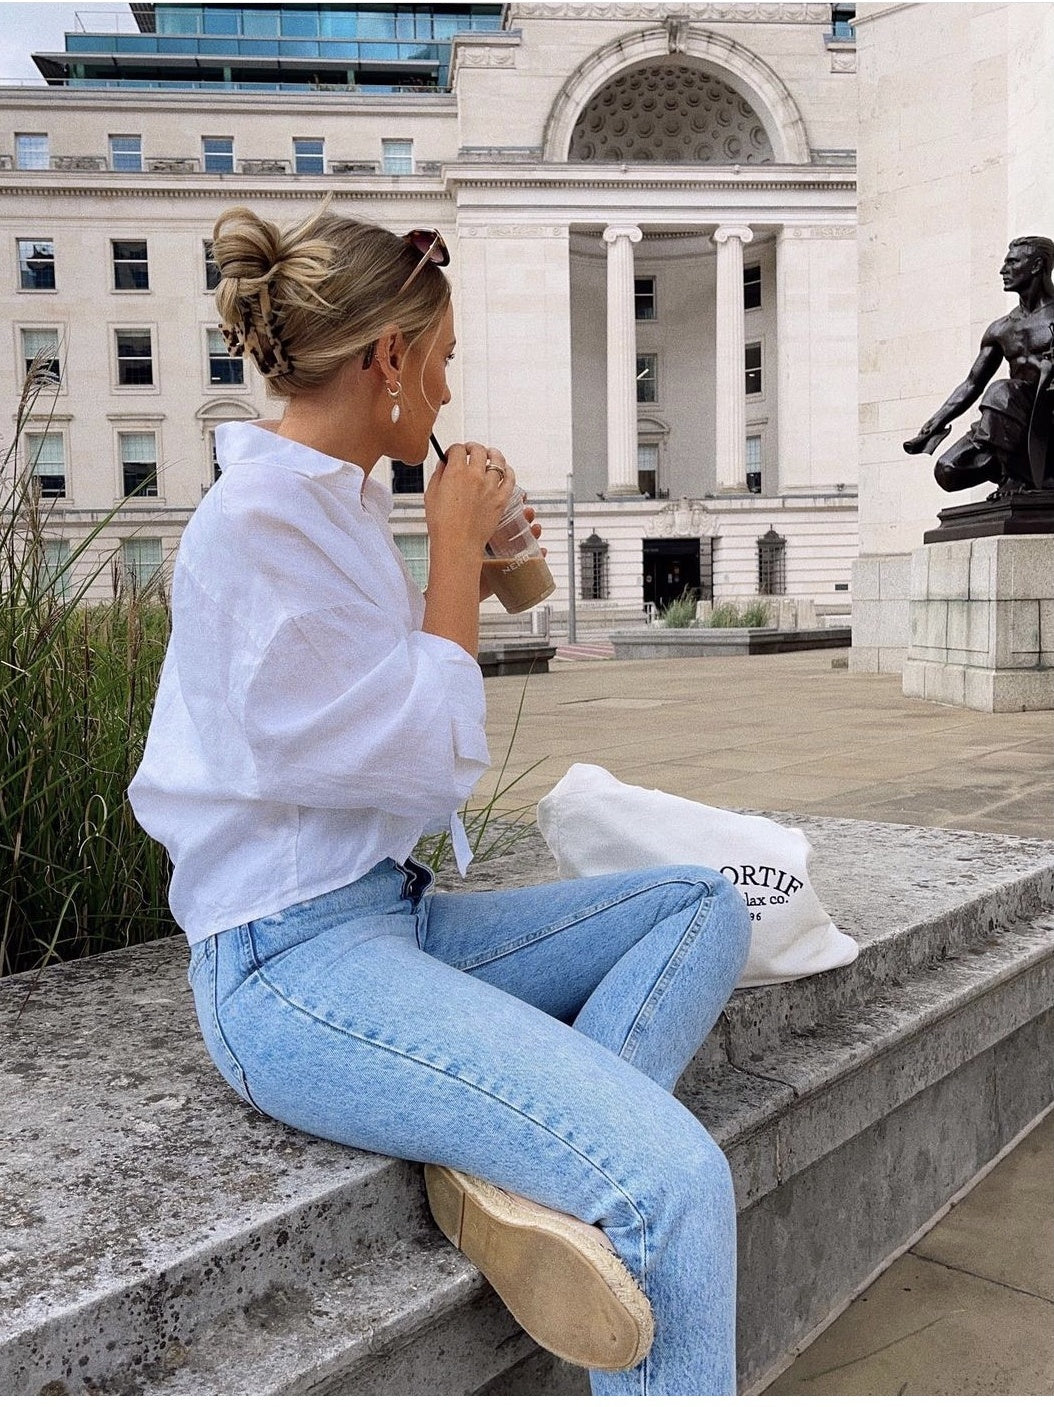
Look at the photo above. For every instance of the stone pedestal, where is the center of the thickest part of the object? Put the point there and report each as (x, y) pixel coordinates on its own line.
(1029, 513)
(982, 624)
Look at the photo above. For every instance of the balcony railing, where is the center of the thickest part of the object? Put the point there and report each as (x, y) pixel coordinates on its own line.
(247, 166)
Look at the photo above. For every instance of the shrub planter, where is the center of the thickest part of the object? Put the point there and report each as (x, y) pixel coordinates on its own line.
(658, 642)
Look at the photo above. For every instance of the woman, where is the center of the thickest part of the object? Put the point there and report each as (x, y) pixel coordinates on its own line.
(316, 715)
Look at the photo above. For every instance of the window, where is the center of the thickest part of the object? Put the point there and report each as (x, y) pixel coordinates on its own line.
(40, 345)
(224, 370)
(218, 153)
(46, 457)
(131, 272)
(31, 151)
(56, 564)
(414, 547)
(36, 264)
(772, 564)
(644, 299)
(135, 358)
(139, 463)
(212, 269)
(752, 286)
(753, 463)
(593, 573)
(216, 470)
(842, 17)
(648, 470)
(126, 153)
(752, 363)
(647, 378)
(407, 478)
(141, 558)
(309, 156)
(397, 156)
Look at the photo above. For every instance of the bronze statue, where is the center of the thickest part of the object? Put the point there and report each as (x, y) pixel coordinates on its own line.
(1009, 445)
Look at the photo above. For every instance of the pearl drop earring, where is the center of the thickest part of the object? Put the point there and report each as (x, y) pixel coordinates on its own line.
(396, 410)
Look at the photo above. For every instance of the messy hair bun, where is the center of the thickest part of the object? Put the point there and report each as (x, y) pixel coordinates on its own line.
(301, 301)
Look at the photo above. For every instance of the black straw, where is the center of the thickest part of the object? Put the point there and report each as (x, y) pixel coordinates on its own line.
(438, 448)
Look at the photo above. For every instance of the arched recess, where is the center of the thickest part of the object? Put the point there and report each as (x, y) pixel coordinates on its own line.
(736, 65)
(226, 408)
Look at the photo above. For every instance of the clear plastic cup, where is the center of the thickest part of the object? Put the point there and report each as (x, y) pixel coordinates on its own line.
(518, 572)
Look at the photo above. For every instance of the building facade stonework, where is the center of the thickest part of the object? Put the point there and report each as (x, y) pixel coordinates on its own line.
(652, 216)
(936, 216)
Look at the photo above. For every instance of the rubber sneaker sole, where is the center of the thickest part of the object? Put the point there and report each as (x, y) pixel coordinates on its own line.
(560, 1279)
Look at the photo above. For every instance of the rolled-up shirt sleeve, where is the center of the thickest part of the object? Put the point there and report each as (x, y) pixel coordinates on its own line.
(345, 710)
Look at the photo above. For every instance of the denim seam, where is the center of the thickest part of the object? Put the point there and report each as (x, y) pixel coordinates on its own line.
(478, 1089)
(599, 908)
(214, 1011)
(665, 977)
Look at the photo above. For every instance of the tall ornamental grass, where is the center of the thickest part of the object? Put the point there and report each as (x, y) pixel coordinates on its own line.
(77, 684)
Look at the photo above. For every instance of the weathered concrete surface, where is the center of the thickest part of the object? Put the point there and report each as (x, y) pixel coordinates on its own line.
(158, 1236)
(660, 642)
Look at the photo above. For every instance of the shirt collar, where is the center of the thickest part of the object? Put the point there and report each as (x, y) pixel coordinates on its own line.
(250, 442)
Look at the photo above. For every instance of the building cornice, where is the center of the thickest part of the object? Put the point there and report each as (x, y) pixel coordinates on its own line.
(182, 101)
(735, 12)
(196, 186)
(453, 177)
(594, 176)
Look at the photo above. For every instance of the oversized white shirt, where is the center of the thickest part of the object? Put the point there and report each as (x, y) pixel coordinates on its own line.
(305, 727)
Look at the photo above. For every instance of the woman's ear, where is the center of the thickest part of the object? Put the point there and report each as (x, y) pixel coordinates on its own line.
(390, 353)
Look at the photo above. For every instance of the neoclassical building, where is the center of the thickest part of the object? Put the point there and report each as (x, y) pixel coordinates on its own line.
(652, 214)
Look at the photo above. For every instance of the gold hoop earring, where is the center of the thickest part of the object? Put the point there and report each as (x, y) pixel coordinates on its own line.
(396, 409)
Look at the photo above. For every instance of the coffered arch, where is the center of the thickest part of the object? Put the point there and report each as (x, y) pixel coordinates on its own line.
(729, 61)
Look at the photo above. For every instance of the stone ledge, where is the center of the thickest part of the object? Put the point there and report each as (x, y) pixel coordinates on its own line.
(166, 1238)
(659, 642)
(529, 656)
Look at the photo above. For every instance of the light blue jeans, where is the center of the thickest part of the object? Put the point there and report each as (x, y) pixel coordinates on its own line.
(531, 1037)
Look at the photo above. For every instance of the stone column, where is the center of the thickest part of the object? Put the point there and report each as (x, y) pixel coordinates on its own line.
(730, 412)
(622, 363)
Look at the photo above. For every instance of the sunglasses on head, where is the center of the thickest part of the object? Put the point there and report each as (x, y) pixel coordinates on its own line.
(429, 244)
(432, 249)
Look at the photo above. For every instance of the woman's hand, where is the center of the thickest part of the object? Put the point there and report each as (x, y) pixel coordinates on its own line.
(464, 501)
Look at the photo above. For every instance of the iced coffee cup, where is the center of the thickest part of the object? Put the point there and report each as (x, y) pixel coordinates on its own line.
(517, 569)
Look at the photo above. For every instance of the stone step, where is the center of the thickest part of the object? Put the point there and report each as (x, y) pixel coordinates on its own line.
(161, 1237)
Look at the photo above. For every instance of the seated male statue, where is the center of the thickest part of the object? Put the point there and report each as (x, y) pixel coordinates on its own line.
(1008, 445)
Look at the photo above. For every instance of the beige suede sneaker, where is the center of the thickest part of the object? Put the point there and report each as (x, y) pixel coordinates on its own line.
(560, 1278)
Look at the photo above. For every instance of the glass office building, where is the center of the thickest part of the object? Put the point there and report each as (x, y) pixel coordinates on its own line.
(272, 48)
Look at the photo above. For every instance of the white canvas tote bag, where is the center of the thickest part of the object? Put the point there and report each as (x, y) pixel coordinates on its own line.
(595, 824)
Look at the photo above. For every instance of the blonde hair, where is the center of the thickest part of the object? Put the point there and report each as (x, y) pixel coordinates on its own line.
(303, 300)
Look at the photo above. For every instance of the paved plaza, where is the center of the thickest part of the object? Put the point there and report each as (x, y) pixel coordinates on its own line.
(970, 1308)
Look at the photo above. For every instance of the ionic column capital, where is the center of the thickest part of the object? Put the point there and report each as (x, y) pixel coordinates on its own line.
(615, 232)
(726, 232)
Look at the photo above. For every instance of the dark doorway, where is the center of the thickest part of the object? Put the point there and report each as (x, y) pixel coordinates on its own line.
(673, 565)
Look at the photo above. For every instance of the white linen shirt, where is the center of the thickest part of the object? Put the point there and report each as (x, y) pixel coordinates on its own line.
(305, 726)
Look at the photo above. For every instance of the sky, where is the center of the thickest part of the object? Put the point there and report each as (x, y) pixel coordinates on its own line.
(28, 27)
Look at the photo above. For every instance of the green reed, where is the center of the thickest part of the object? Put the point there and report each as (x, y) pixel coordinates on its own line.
(680, 613)
(77, 684)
